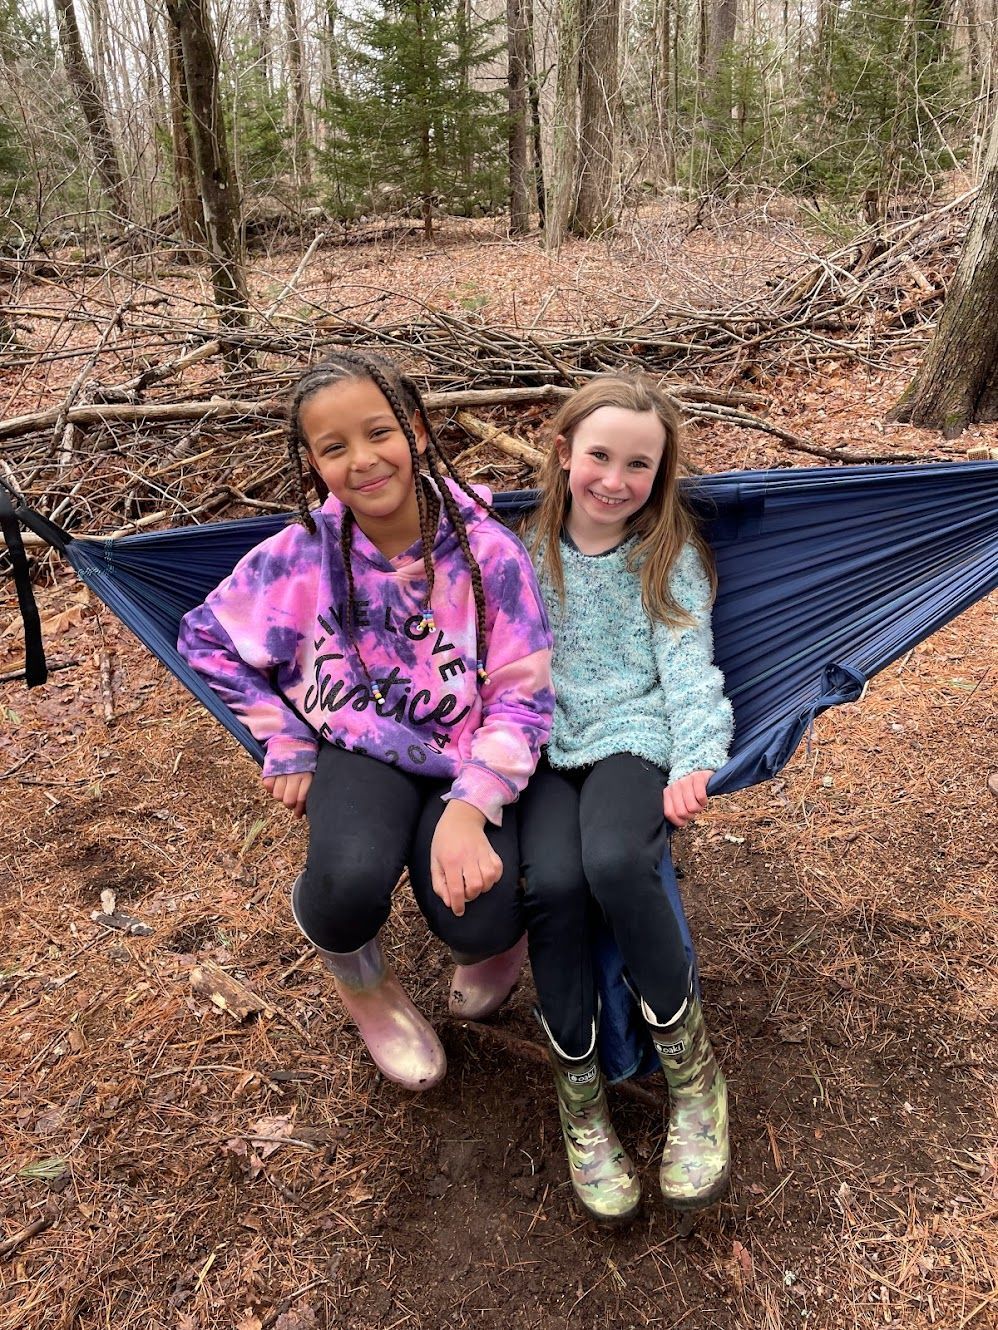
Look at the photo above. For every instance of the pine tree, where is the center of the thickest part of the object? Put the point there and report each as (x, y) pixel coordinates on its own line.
(739, 142)
(406, 122)
(262, 146)
(883, 93)
(23, 43)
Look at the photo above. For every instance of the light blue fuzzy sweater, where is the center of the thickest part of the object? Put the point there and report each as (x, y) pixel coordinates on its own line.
(626, 685)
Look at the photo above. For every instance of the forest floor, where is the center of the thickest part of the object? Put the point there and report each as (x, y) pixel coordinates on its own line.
(166, 1165)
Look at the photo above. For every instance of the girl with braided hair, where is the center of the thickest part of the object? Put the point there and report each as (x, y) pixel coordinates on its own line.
(392, 654)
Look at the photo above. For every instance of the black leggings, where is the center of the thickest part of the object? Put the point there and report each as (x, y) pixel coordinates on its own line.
(367, 821)
(596, 835)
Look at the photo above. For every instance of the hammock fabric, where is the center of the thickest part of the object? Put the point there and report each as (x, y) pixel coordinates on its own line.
(825, 576)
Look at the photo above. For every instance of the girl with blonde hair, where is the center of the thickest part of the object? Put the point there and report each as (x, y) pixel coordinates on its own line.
(640, 725)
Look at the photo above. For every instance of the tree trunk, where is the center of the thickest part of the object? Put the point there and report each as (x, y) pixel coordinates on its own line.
(716, 83)
(565, 137)
(828, 18)
(156, 81)
(184, 165)
(92, 108)
(331, 48)
(427, 176)
(975, 54)
(662, 87)
(534, 89)
(957, 383)
(302, 167)
(219, 196)
(599, 115)
(703, 12)
(518, 109)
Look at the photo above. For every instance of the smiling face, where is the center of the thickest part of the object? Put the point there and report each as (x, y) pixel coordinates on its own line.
(612, 461)
(356, 444)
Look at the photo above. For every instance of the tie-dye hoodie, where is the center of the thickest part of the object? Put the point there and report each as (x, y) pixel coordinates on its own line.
(271, 640)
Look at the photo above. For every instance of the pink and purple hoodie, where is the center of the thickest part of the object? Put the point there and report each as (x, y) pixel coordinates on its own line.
(271, 640)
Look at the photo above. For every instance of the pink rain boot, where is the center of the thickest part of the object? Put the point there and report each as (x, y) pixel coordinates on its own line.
(401, 1042)
(479, 990)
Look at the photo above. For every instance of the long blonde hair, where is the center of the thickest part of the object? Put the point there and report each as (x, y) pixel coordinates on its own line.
(663, 525)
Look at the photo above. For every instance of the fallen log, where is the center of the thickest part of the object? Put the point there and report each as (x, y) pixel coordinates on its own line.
(506, 443)
(217, 408)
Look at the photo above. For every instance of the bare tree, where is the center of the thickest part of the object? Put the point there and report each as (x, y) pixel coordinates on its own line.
(534, 91)
(302, 167)
(599, 116)
(184, 164)
(219, 196)
(517, 53)
(259, 13)
(720, 35)
(565, 127)
(330, 46)
(661, 84)
(91, 103)
(957, 382)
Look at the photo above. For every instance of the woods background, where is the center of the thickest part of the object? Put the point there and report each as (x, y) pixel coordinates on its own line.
(566, 113)
(786, 213)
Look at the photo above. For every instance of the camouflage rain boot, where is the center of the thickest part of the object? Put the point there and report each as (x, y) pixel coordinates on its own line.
(697, 1158)
(402, 1042)
(602, 1175)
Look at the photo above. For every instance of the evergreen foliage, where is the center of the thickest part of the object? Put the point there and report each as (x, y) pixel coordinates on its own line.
(878, 101)
(875, 105)
(24, 43)
(407, 126)
(257, 117)
(13, 165)
(741, 142)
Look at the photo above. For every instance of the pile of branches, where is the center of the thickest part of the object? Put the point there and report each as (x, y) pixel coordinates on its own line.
(185, 436)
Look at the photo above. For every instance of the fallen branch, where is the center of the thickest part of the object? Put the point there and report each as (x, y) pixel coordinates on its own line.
(228, 994)
(11, 1244)
(746, 421)
(145, 413)
(506, 443)
(106, 684)
(216, 408)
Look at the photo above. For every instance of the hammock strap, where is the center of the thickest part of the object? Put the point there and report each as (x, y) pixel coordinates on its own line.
(35, 669)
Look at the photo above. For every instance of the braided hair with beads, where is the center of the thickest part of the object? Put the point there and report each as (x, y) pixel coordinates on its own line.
(405, 401)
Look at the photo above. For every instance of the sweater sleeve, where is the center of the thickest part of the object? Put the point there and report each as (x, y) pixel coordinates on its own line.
(518, 698)
(700, 716)
(243, 644)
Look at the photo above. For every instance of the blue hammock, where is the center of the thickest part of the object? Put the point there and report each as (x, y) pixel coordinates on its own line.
(826, 575)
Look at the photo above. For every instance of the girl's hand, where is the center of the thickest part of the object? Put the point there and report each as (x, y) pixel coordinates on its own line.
(686, 797)
(463, 864)
(290, 790)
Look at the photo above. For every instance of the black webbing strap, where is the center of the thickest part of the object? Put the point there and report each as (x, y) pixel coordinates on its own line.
(35, 669)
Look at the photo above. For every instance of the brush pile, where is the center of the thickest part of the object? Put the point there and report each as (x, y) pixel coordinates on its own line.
(191, 428)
